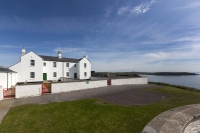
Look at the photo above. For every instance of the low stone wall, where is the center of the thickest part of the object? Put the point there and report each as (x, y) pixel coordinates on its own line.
(128, 81)
(28, 90)
(73, 86)
(1, 93)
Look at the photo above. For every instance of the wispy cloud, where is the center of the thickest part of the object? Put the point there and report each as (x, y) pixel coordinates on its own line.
(142, 8)
(108, 11)
(191, 5)
(136, 10)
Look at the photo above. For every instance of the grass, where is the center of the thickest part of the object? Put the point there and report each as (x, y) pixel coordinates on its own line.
(92, 115)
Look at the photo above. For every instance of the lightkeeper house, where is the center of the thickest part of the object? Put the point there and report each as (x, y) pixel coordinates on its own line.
(37, 68)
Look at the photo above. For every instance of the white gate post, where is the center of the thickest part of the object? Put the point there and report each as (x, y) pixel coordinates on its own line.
(1, 93)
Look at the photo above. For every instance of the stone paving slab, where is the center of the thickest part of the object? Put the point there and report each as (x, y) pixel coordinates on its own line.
(174, 120)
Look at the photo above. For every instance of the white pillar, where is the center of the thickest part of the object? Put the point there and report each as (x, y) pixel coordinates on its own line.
(1, 93)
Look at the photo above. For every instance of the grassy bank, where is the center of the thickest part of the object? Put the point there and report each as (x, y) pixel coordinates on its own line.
(92, 115)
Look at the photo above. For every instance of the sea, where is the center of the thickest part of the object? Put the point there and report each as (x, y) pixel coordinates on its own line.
(186, 80)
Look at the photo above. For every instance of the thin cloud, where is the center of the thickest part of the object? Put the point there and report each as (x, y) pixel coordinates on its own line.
(136, 10)
(192, 5)
(108, 12)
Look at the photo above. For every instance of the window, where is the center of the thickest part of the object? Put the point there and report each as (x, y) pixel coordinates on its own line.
(54, 74)
(32, 62)
(67, 74)
(75, 65)
(54, 64)
(44, 64)
(85, 65)
(67, 64)
(85, 74)
(32, 75)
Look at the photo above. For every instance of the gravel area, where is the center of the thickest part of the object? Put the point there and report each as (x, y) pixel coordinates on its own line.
(123, 95)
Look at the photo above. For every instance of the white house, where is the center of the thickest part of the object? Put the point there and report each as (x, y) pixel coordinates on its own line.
(37, 68)
(8, 77)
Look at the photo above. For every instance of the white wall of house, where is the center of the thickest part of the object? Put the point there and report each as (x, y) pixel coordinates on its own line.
(26, 68)
(82, 69)
(61, 70)
(8, 80)
(17, 68)
(28, 90)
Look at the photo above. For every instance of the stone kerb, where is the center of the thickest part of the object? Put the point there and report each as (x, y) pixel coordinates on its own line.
(174, 120)
(1, 93)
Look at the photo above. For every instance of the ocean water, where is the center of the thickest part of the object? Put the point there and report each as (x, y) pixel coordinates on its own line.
(187, 80)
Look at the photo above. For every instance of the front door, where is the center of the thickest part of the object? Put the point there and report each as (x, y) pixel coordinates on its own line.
(44, 76)
(75, 75)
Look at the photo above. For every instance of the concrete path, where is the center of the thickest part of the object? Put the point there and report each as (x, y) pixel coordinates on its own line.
(123, 95)
(5, 106)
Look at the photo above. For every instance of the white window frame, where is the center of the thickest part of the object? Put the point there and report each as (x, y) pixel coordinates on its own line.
(44, 63)
(54, 74)
(32, 62)
(67, 64)
(85, 65)
(54, 64)
(85, 74)
(67, 74)
(32, 75)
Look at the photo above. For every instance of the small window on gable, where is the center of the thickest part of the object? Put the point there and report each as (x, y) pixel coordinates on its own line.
(67, 64)
(67, 74)
(54, 64)
(54, 74)
(85, 74)
(32, 62)
(44, 64)
(32, 75)
(85, 65)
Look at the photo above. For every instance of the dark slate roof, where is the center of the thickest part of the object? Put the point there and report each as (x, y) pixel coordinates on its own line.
(6, 70)
(52, 58)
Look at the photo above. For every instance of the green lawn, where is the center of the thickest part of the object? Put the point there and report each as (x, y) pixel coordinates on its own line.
(92, 115)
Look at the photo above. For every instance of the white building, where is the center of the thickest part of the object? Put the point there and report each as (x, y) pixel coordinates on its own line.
(8, 78)
(37, 68)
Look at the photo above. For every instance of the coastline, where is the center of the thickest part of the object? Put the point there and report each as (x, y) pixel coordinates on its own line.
(176, 86)
(167, 73)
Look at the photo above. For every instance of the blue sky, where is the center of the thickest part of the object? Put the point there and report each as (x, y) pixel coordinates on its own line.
(117, 35)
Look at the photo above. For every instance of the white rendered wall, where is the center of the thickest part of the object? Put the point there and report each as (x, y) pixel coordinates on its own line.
(73, 86)
(10, 80)
(82, 69)
(128, 81)
(17, 68)
(25, 68)
(60, 69)
(28, 90)
(1, 93)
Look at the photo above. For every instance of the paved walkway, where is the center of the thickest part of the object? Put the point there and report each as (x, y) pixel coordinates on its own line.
(125, 95)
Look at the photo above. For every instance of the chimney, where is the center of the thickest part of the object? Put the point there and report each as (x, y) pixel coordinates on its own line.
(59, 54)
(23, 51)
(85, 56)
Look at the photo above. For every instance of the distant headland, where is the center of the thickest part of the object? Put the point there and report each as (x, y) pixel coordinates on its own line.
(166, 73)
